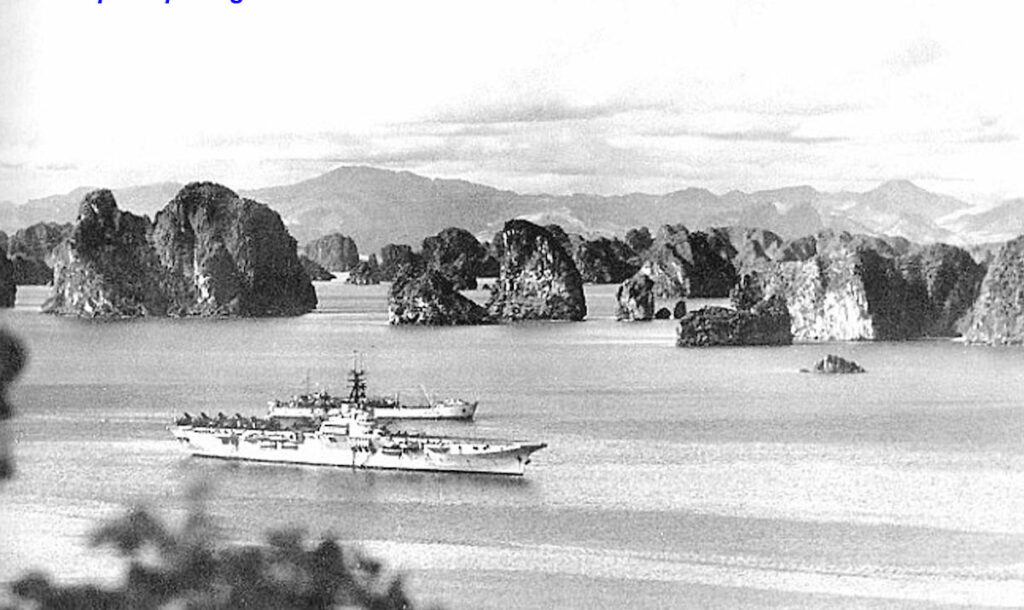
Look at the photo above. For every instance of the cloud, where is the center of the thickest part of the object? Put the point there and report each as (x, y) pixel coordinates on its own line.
(501, 116)
(394, 158)
(795, 109)
(767, 135)
(546, 111)
(990, 130)
(986, 130)
(777, 136)
(998, 137)
(920, 53)
(58, 167)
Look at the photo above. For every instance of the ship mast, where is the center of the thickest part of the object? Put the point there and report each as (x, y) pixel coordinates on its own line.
(357, 381)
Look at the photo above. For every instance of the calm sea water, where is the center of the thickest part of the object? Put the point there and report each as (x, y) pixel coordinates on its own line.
(718, 478)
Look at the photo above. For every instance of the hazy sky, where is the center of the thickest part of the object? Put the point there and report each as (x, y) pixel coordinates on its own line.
(551, 96)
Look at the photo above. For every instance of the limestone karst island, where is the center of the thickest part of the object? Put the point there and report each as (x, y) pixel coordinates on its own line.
(782, 266)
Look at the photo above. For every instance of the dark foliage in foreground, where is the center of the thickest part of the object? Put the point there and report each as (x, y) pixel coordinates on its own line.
(12, 360)
(185, 568)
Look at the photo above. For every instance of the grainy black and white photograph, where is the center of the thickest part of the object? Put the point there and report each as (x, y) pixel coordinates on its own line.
(534, 305)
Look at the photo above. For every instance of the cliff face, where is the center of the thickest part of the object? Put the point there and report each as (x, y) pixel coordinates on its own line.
(231, 255)
(846, 287)
(457, 255)
(604, 261)
(754, 248)
(636, 299)
(39, 240)
(107, 267)
(998, 314)
(490, 267)
(31, 251)
(949, 280)
(805, 248)
(897, 311)
(690, 264)
(334, 252)
(826, 297)
(31, 271)
(209, 253)
(748, 292)
(398, 259)
(768, 323)
(600, 260)
(538, 279)
(430, 299)
(639, 239)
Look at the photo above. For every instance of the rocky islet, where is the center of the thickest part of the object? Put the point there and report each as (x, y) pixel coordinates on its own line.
(208, 252)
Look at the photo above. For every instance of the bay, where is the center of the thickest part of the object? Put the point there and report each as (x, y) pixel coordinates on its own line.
(673, 477)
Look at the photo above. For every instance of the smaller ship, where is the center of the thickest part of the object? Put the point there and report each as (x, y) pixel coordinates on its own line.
(320, 405)
(450, 408)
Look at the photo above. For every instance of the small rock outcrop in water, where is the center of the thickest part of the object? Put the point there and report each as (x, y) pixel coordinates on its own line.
(365, 273)
(998, 315)
(233, 256)
(538, 280)
(334, 252)
(108, 267)
(834, 365)
(766, 324)
(663, 314)
(636, 299)
(430, 299)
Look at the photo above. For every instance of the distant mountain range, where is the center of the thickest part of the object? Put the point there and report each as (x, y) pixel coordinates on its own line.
(376, 206)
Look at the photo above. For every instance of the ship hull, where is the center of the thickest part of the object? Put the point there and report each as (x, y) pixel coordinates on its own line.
(313, 449)
(463, 412)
